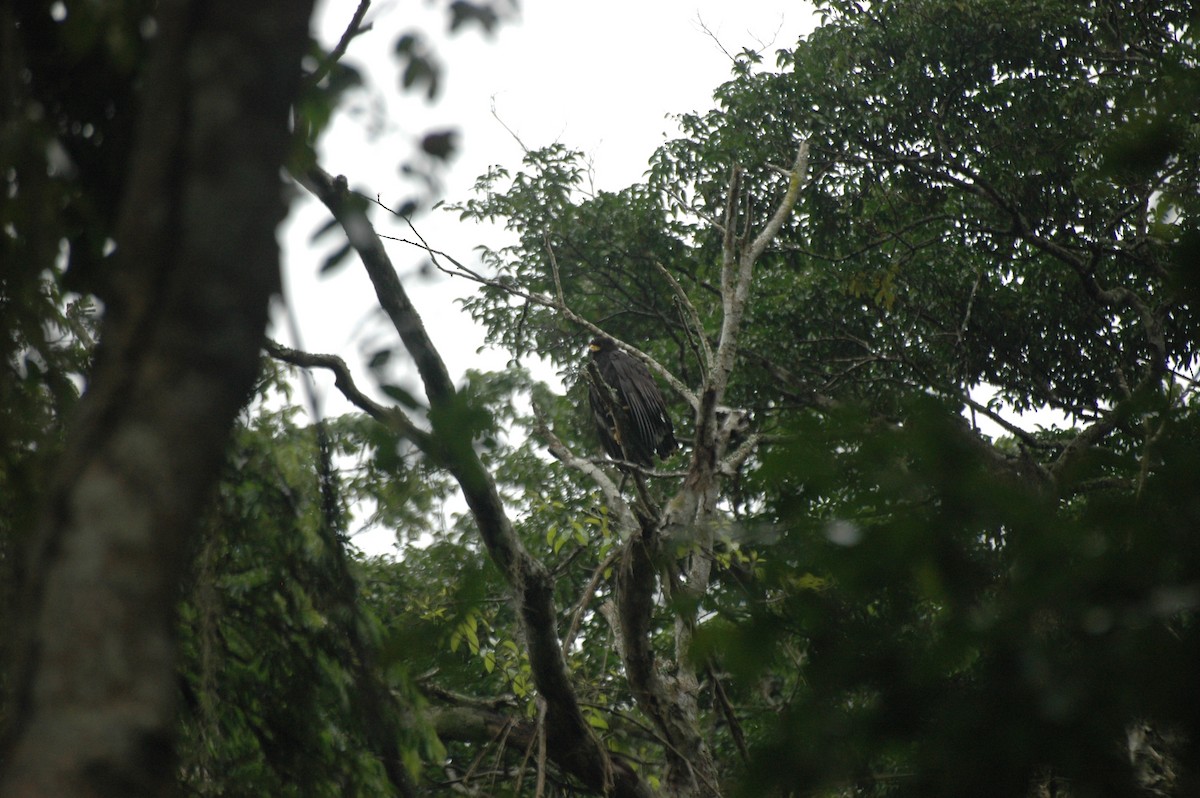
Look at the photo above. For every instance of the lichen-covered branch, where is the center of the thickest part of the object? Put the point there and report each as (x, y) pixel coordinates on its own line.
(670, 698)
(738, 259)
(612, 496)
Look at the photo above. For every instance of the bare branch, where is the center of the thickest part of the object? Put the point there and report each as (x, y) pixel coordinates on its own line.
(558, 291)
(540, 789)
(796, 181)
(353, 31)
(676, 384)
(709, 33)
(693, 314)
(612, 496)
(734, 460)
(737, 269)
(670, 698)
(1089, 437)
(585, 597)
(507, 129)
(392, 417)
(391, 294)
(1017, 432)
(729, 243)
(570, 740)
(558, 304)
(735, 727)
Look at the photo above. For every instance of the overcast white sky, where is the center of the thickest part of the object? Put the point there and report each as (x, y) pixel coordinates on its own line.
(599, 77)
(602, 77)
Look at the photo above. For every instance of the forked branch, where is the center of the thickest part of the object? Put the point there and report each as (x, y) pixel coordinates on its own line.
(737, 267)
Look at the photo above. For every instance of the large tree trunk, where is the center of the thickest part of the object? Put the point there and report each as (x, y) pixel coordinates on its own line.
(197, 262)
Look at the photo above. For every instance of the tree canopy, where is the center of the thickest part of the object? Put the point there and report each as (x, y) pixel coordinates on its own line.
(919, 293)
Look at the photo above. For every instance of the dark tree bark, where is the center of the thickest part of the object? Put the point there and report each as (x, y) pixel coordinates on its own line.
(570, 742)
(94, 691)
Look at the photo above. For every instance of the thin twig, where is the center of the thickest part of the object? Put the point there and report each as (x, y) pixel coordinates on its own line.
(735, 727)
(509, 130)
(585, 597)
(353, 30)
(693, 314)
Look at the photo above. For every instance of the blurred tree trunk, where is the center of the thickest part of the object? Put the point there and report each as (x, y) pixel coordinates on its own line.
(196, 262)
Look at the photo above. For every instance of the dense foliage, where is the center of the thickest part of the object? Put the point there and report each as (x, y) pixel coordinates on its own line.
(915, 589)
(1001, 216)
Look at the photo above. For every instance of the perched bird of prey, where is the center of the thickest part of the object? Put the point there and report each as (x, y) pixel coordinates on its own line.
(631, 416)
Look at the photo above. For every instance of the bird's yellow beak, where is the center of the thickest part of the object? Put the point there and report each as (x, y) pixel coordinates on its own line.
(594, 347)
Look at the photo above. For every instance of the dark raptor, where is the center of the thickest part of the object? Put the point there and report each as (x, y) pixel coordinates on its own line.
(631, 416)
